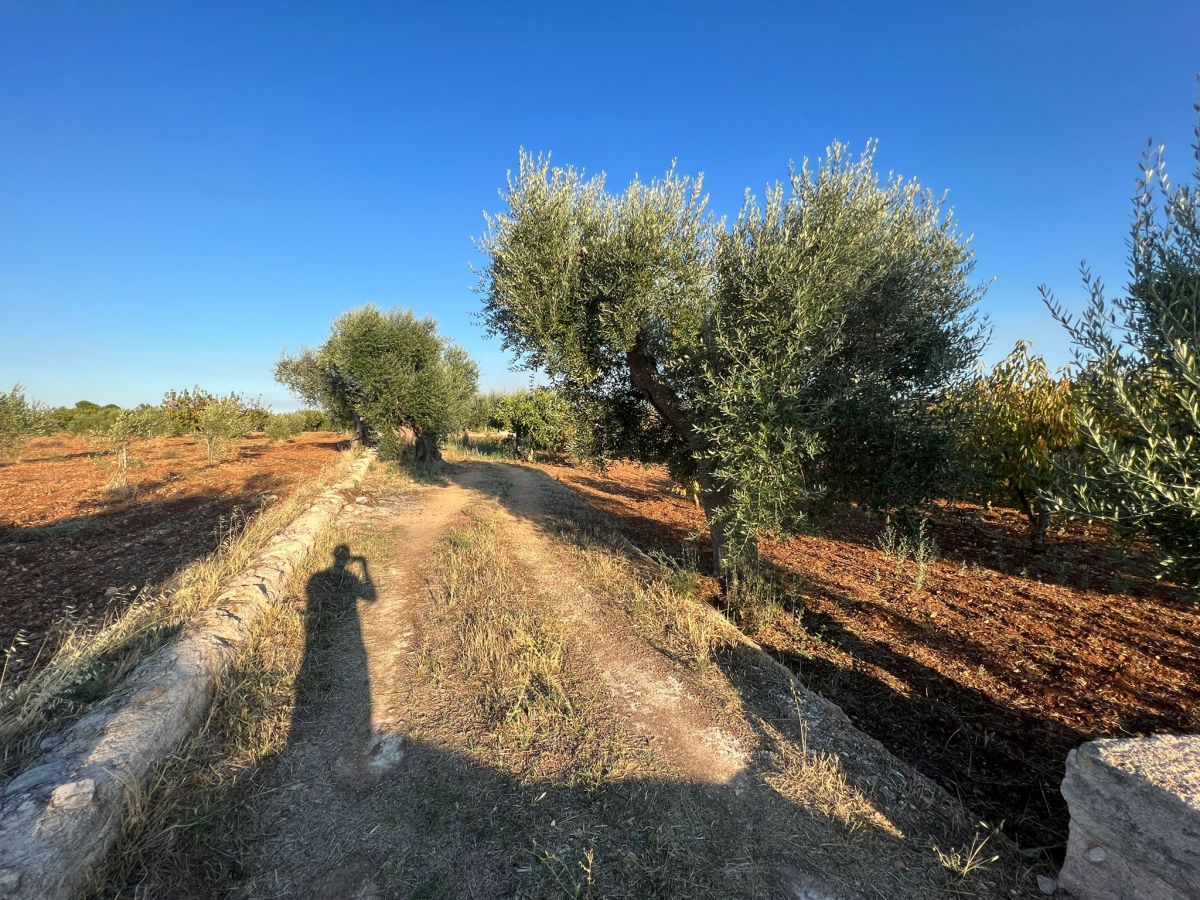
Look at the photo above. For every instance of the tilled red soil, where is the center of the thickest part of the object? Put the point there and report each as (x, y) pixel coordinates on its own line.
(68, 543)
(986, 675)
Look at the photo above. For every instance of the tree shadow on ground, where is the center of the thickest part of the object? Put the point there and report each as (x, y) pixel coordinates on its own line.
(1003, 762)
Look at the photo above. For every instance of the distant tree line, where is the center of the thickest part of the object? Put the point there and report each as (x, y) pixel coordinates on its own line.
(215, 420)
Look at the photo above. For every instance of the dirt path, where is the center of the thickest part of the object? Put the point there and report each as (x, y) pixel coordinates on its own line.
(488, 723)
(651, 691)
(347, 737)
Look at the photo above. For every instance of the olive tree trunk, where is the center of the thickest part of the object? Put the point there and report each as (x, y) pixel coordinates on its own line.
(644, 373)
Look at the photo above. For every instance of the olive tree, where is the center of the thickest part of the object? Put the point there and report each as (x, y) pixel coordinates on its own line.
(784, 360)
(1015, 425)
(390, 376)
(19, 419)
(1139, 380)
(222, 420)
(182, 408)
(539, 419)
(128, 426)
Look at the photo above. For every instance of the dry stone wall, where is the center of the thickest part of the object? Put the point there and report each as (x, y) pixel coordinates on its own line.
(60, 817)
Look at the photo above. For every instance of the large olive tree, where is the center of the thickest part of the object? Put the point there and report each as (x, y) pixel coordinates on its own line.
(787, 360)
(390, 376)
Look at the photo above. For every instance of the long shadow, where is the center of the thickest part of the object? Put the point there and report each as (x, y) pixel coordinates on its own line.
(333, 641)
(1003, 762)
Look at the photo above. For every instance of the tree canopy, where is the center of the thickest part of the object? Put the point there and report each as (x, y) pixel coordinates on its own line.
(390, 376)
(784, 361)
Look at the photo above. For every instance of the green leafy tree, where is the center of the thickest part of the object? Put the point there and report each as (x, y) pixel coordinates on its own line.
(843, 309)
(390, 376)
(1139, 380)
(787, 360)
(19, 419)
(484, 410)
(258, 416)
(182, 408)
(128, 426)
(220, 422)
(540, 421)
(1014, 425)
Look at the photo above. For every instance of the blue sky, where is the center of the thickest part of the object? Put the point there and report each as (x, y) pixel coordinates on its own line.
(187, 189)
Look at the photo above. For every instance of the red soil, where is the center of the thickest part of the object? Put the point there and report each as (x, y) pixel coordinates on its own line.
(69, 543)
(990, 672)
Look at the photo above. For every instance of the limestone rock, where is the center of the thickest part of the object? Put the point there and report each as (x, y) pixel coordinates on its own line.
(1135, 818)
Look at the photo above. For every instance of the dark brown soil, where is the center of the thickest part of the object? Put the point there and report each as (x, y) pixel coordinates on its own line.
(69, 545)
(986, 675)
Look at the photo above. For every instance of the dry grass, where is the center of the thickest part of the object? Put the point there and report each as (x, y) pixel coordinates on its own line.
(515, 665)
(91, 660)
(665, 598)
(183, 836)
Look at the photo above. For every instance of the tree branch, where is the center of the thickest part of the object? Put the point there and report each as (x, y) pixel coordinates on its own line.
(643, 372)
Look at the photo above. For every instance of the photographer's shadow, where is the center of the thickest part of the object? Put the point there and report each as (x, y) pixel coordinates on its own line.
(334, 679)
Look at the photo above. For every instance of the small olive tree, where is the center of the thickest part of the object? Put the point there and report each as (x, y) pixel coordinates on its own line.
(128, 426)
(1139, 380)
(221, 421)
(19, 419)
(390, 376)
(786, 360)
(1014, 425)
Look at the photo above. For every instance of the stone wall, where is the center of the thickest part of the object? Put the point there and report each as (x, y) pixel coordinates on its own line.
(59, 817)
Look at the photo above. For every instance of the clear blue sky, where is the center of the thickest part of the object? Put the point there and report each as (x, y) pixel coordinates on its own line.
(188, 188)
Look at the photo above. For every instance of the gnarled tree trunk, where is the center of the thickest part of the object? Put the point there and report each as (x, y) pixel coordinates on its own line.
(644, 373)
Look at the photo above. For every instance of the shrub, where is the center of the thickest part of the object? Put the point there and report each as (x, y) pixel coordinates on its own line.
(1013, 424)
(1139, 381)
(281, 426)
(390, 376)
(540, 421)
(19, 419)
(182, 409)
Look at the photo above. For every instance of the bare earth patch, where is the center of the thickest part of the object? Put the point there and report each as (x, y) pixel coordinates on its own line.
(68, 545)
